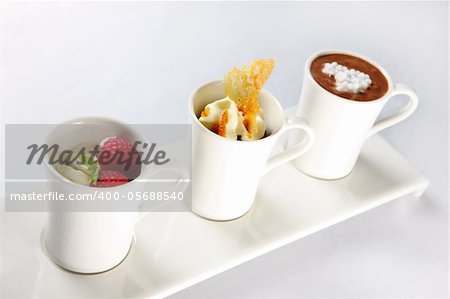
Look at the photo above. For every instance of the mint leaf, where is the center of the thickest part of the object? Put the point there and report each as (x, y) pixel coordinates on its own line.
(95, 175)
(89, 166)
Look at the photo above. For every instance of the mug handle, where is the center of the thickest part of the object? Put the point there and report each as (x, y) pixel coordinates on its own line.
(180, 186)
(295, 151)
(402, 114)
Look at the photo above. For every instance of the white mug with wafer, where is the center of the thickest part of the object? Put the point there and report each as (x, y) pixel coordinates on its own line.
(235, 124)
(227, 172)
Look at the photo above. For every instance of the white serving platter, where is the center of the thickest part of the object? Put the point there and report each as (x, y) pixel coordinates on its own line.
(173, 251)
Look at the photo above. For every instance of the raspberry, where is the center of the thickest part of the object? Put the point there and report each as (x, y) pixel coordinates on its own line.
(110, 178)
(114, 150)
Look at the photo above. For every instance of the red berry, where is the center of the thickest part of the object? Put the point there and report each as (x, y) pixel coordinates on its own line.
(116, 147)
(110, 178)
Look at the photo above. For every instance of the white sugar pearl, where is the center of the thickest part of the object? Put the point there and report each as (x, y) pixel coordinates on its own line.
(347, 80)
(340, 76)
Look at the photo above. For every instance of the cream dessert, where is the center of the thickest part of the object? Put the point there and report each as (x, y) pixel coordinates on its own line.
(81, 171)
(239, 116)
(224, 118)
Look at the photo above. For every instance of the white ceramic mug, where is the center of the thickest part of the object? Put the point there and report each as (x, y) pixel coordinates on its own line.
(341, 126)
(93, 242)
(226, 172)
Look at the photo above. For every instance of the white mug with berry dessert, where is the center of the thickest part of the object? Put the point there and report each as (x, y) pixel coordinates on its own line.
(104, 157)
(343, 94)
(235, 124)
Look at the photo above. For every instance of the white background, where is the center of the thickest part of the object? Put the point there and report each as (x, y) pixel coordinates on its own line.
(139, 62)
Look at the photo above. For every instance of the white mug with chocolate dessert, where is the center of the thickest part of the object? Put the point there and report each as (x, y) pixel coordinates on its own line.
(343, 94)
(235, 124)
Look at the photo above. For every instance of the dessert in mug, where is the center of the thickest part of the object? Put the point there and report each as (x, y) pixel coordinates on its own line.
(239, 116)
(349, 77)
(111, 163)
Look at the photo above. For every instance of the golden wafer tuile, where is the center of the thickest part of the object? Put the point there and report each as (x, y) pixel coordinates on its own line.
(243, 87)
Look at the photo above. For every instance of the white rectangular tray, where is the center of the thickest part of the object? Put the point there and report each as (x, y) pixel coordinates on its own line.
(173, 251)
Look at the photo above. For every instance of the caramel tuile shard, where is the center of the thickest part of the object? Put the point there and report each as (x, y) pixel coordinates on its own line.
(243, 87)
